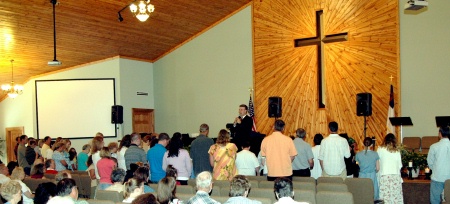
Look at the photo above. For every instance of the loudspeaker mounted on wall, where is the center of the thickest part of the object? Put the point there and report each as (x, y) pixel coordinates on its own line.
(364, 104)
(117, 114)
(275, 107)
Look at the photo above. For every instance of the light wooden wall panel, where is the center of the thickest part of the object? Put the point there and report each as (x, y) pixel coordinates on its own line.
(363, 63)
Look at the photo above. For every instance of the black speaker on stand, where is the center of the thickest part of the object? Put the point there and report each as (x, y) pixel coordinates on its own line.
(364, 107)
(117, 114)
(275, 107)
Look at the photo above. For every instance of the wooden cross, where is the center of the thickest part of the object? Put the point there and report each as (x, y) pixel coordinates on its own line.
(319, 40)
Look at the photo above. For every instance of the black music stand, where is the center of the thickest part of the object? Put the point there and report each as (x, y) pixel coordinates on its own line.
(401, 121)
(230, 126)
(442, 121)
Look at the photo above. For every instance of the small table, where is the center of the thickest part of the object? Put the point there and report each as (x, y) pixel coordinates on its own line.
(416, 191)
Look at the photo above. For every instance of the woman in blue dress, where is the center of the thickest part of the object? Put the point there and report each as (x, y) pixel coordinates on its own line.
(369, 164)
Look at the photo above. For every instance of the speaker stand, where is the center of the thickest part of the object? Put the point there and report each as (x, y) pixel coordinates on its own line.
(365, 126)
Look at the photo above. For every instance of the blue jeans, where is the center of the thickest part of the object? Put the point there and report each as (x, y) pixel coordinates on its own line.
(103, 186)
(436, 189)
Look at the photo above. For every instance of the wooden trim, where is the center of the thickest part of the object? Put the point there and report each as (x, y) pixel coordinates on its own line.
(398, 94)
(7, 141)
(136, 59)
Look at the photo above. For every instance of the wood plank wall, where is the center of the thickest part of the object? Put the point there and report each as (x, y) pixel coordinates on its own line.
(364, 63)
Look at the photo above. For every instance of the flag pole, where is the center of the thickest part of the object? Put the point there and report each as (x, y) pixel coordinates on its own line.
(251, 109)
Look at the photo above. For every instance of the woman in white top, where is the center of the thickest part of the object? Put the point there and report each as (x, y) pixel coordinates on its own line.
(97, 145)
(133, 188)
(390, 165)
(91, 172)
(18, 175)
(124, 144)
(316, 172)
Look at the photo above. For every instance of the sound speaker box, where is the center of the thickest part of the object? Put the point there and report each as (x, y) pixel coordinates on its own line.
(117, 114)
(364, 104)
(275, 107)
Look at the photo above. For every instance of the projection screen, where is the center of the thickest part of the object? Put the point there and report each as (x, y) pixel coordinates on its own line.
(75, 108)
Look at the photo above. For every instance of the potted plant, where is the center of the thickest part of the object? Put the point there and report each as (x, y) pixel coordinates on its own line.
(419, 160)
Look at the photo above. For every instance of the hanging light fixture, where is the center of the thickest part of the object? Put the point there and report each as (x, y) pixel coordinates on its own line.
(143, 10)
(12, 89)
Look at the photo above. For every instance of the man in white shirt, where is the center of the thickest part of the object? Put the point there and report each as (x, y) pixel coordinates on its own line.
(46, 146)
(333, 150)
(438, 161)
(246, 162)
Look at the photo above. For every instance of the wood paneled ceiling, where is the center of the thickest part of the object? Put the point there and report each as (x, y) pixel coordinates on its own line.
(89, 31)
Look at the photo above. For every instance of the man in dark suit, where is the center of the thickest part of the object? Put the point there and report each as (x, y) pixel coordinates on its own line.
(243, 126)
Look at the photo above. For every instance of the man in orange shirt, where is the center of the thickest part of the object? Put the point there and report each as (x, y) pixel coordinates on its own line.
(279, 151)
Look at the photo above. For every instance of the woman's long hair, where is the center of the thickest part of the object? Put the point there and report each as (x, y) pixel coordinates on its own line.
(390, 143)
(125, 142)
(58, 145)
(223, 138)
(166, 190)
(175, 145)
(130, 186)
(97, 144)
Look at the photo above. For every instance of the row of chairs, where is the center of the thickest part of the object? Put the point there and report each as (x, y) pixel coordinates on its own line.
(361, 188)
(82, 180)
(322, 198)
(420, 144)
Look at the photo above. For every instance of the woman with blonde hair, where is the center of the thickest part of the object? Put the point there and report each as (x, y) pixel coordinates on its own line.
(97, 145)
(133, 189)
(113, 147)
(167, 188)
(222, 157)
(11, 191)
(70, 159)
(18, 175)
(58, 156)
(390, 165)
(105, 167)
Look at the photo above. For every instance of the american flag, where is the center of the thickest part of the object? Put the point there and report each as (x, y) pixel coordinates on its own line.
(251, 112)
(389, 127)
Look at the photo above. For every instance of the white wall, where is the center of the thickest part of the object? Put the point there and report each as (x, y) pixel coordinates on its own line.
(425, 66)
(135, 76)
(130, 76)
(205, 80)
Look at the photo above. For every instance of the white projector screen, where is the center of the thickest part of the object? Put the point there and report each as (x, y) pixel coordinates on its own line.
(75, 108)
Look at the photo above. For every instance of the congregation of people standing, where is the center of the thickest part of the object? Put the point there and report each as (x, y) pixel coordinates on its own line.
(128, 168)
